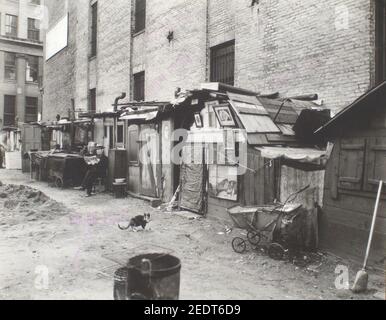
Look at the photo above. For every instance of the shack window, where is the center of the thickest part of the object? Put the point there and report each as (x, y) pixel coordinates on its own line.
(376, 163)
(133, 144)
(351, 166)
(94, 29)
(380, 41)
(120, 134)
(31, 109)
(140, 15)
(139, 86)
(222, 63)
(9, 110)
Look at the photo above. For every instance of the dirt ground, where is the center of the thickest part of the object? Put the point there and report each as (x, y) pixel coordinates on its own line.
(76, 243)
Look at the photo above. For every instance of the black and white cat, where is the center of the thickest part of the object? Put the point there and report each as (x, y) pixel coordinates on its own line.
(137, 222)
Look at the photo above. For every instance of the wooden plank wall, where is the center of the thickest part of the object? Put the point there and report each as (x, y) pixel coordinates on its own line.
(347, 217)
(293, 180)
(258, 185)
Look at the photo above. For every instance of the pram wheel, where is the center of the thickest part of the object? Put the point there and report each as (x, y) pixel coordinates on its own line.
(239, 245)
(276, 251)
(254, 238)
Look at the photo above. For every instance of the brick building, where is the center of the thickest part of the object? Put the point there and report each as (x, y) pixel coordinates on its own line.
(21, 61)
(148, 48)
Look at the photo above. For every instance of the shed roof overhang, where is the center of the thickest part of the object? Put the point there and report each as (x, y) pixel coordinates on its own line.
(365, 103)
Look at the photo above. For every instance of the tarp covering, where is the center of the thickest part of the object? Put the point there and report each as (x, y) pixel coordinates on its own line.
(297, 154)
(192, 181)
(145, 116)
(192, 188)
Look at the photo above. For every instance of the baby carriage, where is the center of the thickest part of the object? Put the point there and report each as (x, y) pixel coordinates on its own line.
(274, 234)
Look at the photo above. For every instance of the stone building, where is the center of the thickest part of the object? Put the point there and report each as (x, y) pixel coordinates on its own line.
(147, 48)
(21, 61)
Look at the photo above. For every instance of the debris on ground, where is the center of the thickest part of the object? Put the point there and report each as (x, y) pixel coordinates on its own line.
(22, 203)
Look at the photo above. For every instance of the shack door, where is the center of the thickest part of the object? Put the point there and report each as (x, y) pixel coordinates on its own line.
(31, 140)
(149, 161)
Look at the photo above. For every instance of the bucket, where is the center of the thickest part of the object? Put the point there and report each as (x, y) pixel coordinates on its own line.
(149, 277)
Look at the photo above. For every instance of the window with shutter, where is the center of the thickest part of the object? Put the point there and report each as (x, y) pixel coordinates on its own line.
(376, 163)
(351, 166)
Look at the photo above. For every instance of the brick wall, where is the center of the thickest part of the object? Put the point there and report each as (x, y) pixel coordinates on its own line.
(291, 46)
(297, 47)
(179, 63)
(59, 71)
(71, 73)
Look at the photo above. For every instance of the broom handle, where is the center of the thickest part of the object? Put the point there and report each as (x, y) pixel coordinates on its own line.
(373, 224)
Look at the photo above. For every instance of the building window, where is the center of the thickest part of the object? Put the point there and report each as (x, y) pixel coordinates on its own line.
(10, 66)
(222, 63)
(140, 15)
(32, 69)
(381, 41)
(33, 29)
(94, 29)
(133, 144)
(9, 111)
(31, 109)
(120, 134)
(35, 2)
(10, 25)
(92, 101)
(139, 86)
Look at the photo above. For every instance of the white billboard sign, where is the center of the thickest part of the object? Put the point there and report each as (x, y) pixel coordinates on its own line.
(57, 38)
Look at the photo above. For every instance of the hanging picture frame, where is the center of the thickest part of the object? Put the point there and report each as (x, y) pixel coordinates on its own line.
(198, 120)
(224, 115)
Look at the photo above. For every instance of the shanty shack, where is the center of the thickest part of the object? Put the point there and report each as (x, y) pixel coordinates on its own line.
(220, 146)
(148, 145)
(356, 165)
(247, 149)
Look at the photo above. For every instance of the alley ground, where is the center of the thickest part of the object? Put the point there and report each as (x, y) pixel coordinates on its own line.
(76, 239)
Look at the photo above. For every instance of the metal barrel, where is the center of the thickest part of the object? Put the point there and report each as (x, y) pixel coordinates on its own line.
(149, 277)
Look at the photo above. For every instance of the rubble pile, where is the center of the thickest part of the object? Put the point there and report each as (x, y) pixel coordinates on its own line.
(21, 203)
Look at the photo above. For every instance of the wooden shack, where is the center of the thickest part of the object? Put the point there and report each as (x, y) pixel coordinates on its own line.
(356, 165)
(148, 143)
(251, 124)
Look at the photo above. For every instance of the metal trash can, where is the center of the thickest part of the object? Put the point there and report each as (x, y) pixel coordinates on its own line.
(149, 277)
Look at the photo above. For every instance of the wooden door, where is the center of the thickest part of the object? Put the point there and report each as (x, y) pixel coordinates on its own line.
(149, 161)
